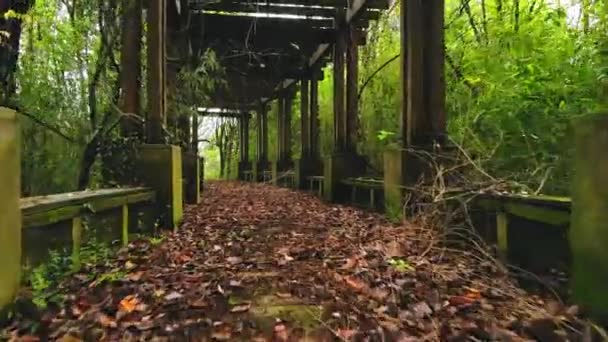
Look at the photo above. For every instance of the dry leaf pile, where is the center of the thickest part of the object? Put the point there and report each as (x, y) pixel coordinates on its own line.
(373, 280)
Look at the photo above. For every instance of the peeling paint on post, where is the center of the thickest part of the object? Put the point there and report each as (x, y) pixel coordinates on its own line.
(10, 215)
(589, 227)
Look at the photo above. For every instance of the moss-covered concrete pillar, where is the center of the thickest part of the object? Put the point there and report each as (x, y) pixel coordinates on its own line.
(10, 214)
(589, 225)
(160, 167)
(191, 177)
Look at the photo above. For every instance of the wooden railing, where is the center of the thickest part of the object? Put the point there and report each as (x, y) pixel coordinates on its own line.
(44, 216)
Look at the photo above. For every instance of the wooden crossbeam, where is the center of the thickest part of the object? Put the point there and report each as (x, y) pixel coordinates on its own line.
(230, 22)
(376, 4)
(273, 9)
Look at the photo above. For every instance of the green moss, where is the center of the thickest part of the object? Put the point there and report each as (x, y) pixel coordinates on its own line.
(265, 309)
(161, 168)
(10, 215)
(539, 213)
(589, 228)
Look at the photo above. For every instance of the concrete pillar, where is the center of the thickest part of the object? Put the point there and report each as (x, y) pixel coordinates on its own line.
(130, 75)
(160, 167)
(10, 214)
(422, 120)
(589, 224)
(191, 177)
(156, 119)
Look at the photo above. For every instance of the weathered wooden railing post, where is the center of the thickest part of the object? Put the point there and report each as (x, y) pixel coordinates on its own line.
(10, 215)
(262, 143)
(160, 165)
(244, 164)
(422, 121)
(344, 161)
(589, 224)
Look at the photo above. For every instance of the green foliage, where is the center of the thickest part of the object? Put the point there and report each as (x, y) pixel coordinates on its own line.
(515, 80)
(43, 279)
(60, 55)
(400, 265)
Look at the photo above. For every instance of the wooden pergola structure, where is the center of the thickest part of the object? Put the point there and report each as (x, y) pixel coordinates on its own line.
(270, 50)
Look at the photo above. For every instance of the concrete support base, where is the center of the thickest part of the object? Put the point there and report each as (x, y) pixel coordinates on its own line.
(589, 225)
(258, 170)
(160, 166)
(278, 172)
(305, 168)
(401, 168)
(191, 180)
(10, 214)
(335, 169)
(244, 166)
(201, 177)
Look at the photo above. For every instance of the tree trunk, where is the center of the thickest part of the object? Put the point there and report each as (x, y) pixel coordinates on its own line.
(9, 46)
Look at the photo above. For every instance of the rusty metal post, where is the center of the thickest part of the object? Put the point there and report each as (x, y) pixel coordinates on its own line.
(156, 119)
(130, 74)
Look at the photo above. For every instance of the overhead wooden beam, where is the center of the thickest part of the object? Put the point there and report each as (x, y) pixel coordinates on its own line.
(238, 20)
(376, 4)
(247, 7)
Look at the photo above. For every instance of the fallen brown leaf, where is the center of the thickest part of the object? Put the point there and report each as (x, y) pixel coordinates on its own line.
(280, 333)
(128, 304)
(355, 284)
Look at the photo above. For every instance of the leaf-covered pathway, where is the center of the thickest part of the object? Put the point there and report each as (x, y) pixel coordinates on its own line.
(259, 263)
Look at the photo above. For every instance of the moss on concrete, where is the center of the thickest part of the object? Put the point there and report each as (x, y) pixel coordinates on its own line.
(160, 166)
(589, 227)
(337, 168)
(191, 179)
(10, 215)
